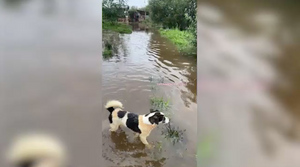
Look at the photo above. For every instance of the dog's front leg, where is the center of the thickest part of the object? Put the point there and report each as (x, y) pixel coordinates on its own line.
(143, 138)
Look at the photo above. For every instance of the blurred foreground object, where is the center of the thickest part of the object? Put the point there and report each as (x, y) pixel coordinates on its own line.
(248, 83)
(37, 150)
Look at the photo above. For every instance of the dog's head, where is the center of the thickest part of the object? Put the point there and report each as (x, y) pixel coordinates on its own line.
(157, 117)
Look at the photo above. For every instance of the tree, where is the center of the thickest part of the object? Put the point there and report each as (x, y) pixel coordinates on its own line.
(173, 13)
(112, 9)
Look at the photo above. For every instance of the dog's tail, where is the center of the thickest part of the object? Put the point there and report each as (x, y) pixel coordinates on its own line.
(112, 105)
(35, 147)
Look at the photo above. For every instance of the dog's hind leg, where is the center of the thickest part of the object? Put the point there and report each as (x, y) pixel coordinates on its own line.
(114, 126)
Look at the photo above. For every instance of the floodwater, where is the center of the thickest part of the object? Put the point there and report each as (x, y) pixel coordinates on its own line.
(248, 83)
(144, 62)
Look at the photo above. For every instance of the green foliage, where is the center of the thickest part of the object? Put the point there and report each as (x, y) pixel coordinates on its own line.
(113, 9)
(182, 39)
(174, 134)
(158, 103)
(108, 46)
(147, 9)
(173, 13)
(193, 27)
(107, 53)
(178, 20)
(117, 27)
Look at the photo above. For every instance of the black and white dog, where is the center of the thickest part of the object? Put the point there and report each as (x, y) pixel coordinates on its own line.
(142, 125)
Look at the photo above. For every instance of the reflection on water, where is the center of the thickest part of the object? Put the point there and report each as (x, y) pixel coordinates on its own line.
(143, 59)
(248, 84)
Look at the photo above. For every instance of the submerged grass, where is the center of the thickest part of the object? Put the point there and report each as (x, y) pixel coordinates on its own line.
(107, 53)
(159, 103)
(117, 27)
(174, 134)
(182, 39)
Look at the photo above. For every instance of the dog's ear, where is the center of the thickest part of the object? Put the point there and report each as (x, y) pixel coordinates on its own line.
(154, 119)
(152, 110)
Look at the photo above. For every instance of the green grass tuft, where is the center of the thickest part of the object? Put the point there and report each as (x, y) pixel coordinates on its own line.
(158, 103)
(174, 134)
(182, 39)
(117, 27)
(107, 53)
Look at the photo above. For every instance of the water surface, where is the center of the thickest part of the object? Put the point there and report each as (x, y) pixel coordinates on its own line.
(145, 59)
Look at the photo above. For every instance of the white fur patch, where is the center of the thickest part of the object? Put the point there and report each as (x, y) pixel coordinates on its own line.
(36, 146)
(167, 120)
(114, 103)
(146, 118)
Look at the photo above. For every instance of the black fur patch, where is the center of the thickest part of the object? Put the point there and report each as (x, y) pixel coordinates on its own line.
(110, 109)
(110, 118)
(121, 114)
(151, 111)
(133, 122)
(156, 118)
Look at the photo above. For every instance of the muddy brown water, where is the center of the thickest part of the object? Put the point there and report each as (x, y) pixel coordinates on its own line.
(248, 85)
(144, 60)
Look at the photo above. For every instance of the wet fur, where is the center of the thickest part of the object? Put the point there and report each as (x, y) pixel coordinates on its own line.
(142, 125)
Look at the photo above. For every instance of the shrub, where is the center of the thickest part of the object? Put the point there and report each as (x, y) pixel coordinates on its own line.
(117, 27)
(112, 10)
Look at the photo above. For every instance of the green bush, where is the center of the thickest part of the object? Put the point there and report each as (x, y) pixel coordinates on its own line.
(107, 53)
(112, 10)
(173, 13)
(117, 27)
(178, 21)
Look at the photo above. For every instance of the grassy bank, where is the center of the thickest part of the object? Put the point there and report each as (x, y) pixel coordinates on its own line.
(117, 27)
(182, 39)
